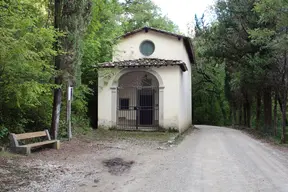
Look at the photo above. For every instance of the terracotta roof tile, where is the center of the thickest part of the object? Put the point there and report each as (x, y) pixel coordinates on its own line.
(144, 62)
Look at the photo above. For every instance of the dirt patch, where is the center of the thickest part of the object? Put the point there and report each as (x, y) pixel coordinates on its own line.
(83, 163)
(14, 175)
(117, 166)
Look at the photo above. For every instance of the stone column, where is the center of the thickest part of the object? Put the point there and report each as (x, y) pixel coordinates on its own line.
(113, 106)
(161, 106)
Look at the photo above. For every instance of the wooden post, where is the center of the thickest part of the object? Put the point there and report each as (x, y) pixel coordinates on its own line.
(47, 134)
(68, 109)
(13, 140)
(56, 145)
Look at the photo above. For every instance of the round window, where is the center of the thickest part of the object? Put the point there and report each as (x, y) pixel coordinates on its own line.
(147, 48)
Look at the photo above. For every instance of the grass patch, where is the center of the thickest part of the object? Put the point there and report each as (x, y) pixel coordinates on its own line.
(6, 154)
(265, 136)
(103, 134)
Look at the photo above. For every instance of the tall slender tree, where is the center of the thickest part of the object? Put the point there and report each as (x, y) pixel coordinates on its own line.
(71, 18)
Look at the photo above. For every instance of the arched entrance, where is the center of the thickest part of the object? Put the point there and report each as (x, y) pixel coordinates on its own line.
(137, 101)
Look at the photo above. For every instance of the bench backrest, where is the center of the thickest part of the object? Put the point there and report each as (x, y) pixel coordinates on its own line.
(16, 137)
(30, 135)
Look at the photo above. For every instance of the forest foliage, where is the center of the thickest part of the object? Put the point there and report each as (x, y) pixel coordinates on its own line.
(30, 43)
(241, 76)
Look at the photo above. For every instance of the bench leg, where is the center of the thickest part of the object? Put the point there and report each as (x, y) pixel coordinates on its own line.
(22, 150)
(56, 145)
(28, 151)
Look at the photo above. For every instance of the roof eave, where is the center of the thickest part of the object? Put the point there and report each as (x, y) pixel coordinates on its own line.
(189, 48)
(182, 67)
(137, 63)
(146, 29)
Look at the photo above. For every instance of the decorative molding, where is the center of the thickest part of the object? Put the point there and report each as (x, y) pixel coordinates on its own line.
(127, 70)
(114, 87)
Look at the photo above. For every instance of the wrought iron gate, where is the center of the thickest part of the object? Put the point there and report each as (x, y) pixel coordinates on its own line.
(138, 108)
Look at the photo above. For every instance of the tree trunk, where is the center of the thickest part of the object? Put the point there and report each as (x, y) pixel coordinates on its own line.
(240, 115)
(234, 114)
(284, 102)
(284, 108)
(56, 112)
(247, 110)
(258, 110)
(248, 114)
(231, 116)
(275, 113)
(267, 109)
(58, 80)
(280, 105)
(221, 103)
(245, 114)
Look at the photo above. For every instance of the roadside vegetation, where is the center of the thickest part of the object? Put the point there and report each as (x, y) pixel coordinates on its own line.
(241, 76)
(46, 46)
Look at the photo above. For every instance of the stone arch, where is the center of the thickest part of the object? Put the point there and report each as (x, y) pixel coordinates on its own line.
(115, 84)
(124, 71)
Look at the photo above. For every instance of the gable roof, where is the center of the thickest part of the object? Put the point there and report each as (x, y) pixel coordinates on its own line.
(186, 40)
(145, 62)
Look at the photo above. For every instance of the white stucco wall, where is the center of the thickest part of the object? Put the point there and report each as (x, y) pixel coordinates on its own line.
(177, 105)
(166, 47)
(186, 97)
(170, 75)
(105, 97)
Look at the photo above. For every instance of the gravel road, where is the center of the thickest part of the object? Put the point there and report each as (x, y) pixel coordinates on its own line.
(215, 159)
(209, 159)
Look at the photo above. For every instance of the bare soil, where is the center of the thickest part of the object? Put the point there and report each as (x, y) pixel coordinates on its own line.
(98, 161)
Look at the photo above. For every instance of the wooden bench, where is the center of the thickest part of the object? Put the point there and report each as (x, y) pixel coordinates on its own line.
(26, 149)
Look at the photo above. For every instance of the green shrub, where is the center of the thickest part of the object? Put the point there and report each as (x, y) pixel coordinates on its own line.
(3, 134)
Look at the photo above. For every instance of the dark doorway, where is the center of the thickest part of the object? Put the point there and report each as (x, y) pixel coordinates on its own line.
(146, 103)
(138, 102)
